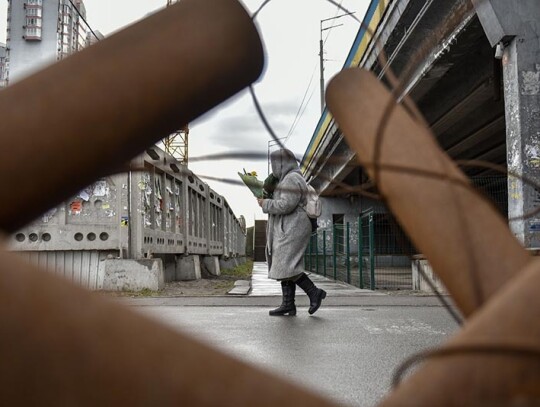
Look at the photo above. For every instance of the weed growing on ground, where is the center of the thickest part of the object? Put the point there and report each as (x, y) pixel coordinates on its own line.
(241, 272)
(145, 292)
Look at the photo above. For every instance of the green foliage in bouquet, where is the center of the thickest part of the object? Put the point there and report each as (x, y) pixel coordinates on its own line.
(259, 188)
(254, 184)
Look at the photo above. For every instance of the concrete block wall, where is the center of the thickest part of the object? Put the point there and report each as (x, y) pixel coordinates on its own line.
(92, 220)
(350, 209)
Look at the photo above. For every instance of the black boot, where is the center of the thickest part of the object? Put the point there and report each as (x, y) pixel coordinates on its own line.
(287, 305)
(316, 295)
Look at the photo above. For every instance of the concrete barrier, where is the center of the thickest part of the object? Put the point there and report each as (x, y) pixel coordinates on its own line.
(419, 264)
(188, 268)
(211, 264)
(132, 275)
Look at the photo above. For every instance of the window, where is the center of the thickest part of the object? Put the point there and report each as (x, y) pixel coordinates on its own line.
(33, 22)
(33, 11)
(33, 33)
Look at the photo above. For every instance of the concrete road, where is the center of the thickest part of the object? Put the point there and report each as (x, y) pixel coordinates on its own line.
(347, 353)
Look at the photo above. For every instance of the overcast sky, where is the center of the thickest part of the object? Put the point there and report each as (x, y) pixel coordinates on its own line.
(291, 32)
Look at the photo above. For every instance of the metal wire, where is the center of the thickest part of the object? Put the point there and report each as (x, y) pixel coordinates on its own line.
(505, 350)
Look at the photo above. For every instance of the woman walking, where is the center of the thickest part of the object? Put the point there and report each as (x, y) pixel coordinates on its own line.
(288, 233)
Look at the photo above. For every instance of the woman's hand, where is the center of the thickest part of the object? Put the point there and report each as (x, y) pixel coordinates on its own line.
(260, 202)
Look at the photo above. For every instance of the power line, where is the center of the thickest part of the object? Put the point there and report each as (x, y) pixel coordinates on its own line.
(338, 9)
(301, 111)
(298, 113)
(304, 109)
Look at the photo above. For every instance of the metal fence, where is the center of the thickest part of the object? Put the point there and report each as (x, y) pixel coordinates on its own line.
(373, 252)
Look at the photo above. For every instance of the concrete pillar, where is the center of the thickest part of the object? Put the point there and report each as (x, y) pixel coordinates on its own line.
(515, 25)
(188, 268)
(135, 227)
(212, 265)
(522, 84)
(169, 267)
(228, 263)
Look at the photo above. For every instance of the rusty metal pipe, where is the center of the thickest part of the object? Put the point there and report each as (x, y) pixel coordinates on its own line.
(499, 362)
(62, 345)
(93, 111)
(466, 241)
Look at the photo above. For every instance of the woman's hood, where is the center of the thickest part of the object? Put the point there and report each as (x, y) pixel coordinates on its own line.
(283, 162)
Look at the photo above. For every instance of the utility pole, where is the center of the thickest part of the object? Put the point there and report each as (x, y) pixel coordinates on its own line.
(177, 143)
(273, 143)
(321, 52)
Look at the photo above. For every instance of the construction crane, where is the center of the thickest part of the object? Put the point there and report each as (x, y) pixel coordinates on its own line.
(176, 144)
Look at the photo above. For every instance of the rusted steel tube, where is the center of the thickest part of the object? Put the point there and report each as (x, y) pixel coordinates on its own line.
(495, 359)
(466, 241)
(92, 112)
(62, 345)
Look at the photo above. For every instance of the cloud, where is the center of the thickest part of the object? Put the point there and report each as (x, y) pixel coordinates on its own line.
(282, 109)
(242, 128)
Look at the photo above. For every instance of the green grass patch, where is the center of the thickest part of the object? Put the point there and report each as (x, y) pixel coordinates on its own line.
(240, 272)
(145, 292)
(224, 286)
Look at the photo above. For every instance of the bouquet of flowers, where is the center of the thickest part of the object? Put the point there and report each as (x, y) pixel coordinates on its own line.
(259, 188)
(251, 181)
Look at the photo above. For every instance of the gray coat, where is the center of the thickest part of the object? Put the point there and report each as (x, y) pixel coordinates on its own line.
(289, 227)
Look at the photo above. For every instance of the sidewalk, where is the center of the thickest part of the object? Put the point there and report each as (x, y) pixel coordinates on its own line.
(263, 292)
(262, 286)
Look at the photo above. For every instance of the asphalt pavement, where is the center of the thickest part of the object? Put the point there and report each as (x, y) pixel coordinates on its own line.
(348, 350)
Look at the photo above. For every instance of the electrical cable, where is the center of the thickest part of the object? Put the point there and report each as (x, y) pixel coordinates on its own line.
(298, 113)
(301, 111)
(332, 26)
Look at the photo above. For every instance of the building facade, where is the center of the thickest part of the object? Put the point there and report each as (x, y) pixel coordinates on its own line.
(2, 65)
(41, 32)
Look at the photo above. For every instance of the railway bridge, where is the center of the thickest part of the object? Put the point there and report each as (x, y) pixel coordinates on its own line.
(473, 69)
